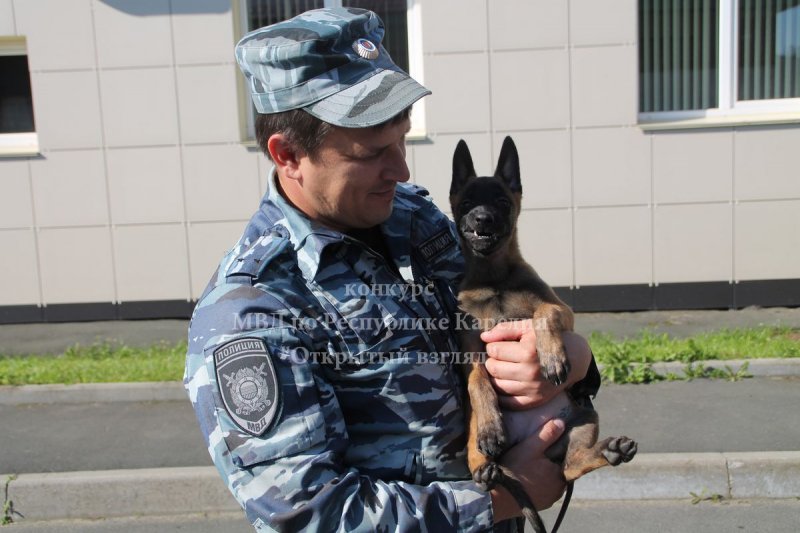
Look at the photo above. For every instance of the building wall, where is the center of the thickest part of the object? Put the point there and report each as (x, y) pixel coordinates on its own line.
(607, 204)
(143, 180)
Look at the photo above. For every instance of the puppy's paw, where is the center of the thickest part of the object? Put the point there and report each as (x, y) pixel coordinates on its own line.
(620, 450)
(552, 356)
(488, 475)
(492, 438)
(555, 366)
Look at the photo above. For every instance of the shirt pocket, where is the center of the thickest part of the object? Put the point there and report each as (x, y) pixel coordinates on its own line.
(357, 313)
(298, 424)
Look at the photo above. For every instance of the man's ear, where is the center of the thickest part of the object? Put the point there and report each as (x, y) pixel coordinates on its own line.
(285, 155)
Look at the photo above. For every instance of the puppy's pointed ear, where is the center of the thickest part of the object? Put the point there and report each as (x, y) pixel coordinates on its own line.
(508, 166)
(463, 169)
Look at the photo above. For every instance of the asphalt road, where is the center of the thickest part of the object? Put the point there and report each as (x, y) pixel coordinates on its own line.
(758, 414)
(756, 516)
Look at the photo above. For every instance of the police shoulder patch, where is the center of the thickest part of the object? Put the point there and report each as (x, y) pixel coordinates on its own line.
(247, 383)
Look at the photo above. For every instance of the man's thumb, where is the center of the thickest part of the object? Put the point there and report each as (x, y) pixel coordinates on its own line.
(550, 432)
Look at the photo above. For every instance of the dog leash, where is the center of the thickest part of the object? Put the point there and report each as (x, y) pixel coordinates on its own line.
(563, 511)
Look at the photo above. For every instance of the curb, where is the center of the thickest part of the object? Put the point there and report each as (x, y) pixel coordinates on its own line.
(174, 391)
(153, 391)
(170, 491)
(774, 367)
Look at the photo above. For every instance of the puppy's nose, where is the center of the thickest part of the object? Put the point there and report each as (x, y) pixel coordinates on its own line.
(484, 218)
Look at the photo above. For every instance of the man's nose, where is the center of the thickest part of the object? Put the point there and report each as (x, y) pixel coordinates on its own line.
(396, 166)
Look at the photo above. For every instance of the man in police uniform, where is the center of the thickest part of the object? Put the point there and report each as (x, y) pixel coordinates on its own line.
(322, 360)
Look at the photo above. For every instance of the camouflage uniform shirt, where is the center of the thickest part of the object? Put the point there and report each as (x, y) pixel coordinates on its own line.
(323, 377)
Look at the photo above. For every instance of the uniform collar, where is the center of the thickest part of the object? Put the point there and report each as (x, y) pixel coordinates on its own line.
(310, 239)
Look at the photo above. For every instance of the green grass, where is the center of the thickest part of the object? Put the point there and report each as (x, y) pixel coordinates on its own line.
(624, 361)
(648, 348)
(99, 363)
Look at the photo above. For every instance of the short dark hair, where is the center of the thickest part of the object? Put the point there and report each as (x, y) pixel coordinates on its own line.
(302, 129)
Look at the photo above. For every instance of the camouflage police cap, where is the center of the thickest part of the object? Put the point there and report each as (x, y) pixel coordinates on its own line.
(329, 62)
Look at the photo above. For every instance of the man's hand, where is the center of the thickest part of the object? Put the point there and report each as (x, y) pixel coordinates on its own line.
(514, 368)
(542, 478)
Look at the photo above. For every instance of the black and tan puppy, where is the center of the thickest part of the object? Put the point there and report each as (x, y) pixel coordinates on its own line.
(499, 286)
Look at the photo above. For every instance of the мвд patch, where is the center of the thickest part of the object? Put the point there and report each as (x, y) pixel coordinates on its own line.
(247, 384)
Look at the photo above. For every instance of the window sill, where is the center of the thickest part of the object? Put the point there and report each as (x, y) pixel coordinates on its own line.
(19, 145)
(652, 123)
(417, 136)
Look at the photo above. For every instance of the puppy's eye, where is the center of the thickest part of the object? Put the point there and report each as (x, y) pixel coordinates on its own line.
(503, 202)
(467, 205)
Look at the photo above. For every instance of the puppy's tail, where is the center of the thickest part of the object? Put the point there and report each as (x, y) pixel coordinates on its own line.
(514, 486)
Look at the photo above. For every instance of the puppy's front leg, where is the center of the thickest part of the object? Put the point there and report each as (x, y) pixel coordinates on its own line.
(549, 322)
(487, 438)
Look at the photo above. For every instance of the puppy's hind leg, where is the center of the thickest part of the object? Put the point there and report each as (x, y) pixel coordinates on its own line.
(584, 453)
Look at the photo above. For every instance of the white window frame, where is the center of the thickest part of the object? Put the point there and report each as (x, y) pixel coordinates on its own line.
(17, 144)
(415, 67)
(730, 112)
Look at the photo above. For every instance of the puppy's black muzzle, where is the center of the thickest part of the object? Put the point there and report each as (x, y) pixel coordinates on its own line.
(483, 229)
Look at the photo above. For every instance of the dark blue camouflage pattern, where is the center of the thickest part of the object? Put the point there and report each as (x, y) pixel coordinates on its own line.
(312, 62)
(370, 435)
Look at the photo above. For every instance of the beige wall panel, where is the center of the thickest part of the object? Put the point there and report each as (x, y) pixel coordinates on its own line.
(693, 243)
(442, 32)
(604, 86)
(59, 33)
(692, 166)
(208, 242)
(139, 107)
(545, 167)
(16, 209)
(203, 31)
(460, 99)
(19, 281)
(207, 101)
(69, 189)
(433, 164)
(67, 108)
(515, 24)
(546, 243)
(613, 246)
(145, 185)
(612, 166)
(137, 36)
(767, 240)
(221, 182)
(767, 164)
(606, 22)
(7, 22)
(76, 265)
(536, 96)
(151, 262)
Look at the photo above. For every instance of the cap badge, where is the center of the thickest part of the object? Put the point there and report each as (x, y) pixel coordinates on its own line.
(366, 49)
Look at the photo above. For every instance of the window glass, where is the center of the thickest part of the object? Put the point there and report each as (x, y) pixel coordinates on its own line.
(16, 106)
(769, 49)
(678, 63)
(265, 12)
